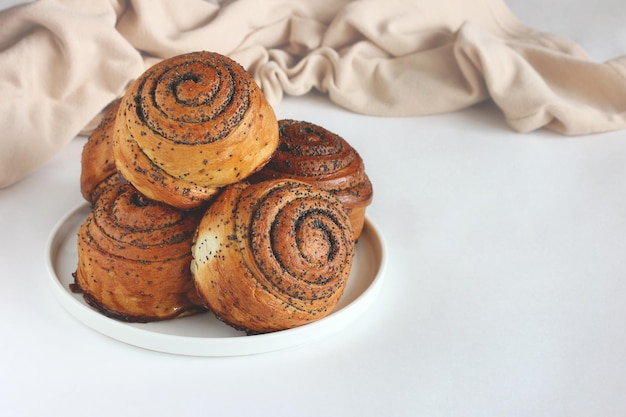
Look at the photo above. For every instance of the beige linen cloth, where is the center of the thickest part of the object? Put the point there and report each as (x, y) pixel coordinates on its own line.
(63, 61)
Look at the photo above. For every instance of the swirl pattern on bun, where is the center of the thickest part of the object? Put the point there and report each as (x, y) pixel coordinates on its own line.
(190, 125)
(134, 256)
(310, 153)
(272, 255)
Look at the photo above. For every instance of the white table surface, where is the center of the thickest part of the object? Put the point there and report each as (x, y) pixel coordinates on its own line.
(504, 291)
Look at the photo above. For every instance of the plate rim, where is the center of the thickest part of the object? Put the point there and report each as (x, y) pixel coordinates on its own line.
(212, 346)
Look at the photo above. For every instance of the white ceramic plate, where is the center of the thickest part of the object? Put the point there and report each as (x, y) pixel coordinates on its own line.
(203, 334)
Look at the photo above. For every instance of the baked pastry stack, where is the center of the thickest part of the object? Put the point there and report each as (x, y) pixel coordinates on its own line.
(182, 219)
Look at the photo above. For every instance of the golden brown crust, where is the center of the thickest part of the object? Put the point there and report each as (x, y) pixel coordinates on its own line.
(273, 255)
(134, 256)
(97, 161)
(190, 125)
(310, 153)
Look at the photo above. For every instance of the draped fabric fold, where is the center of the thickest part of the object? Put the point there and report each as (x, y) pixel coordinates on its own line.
(63, 61)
